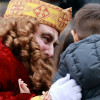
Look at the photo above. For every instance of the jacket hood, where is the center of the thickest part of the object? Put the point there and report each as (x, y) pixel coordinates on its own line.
(83, 61)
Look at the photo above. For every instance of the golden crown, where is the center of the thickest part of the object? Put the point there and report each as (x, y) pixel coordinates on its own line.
(48, 14)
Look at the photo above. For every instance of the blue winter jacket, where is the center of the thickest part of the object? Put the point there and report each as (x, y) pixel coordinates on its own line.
(82, 61)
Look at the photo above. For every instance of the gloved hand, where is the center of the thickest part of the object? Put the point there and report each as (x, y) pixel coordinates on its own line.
(65, 89)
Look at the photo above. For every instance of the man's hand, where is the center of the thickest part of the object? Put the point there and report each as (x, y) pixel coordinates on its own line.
(65, 89)
(23, 87)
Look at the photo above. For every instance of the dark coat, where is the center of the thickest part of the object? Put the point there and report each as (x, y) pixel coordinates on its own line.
(82, 61)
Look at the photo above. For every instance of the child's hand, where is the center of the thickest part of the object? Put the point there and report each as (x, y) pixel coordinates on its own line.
(23, 87)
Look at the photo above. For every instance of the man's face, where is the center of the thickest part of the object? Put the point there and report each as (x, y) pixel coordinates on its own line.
(47, 38)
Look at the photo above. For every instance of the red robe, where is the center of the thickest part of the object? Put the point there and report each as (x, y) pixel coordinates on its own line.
(10, 71)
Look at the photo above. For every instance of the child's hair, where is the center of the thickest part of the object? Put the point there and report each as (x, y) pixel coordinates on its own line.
(87, 20)
(18, 34)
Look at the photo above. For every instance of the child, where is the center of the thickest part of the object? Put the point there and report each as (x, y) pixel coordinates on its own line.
(82, 58)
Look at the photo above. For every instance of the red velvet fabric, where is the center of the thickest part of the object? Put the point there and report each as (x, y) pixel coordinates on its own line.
(10, 71)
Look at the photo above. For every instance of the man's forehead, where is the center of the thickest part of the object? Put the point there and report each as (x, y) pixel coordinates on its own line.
(47, 29)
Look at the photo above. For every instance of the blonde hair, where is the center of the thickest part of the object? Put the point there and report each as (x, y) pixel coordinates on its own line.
(18, 34)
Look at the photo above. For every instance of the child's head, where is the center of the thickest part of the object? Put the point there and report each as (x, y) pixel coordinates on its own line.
(86, 21)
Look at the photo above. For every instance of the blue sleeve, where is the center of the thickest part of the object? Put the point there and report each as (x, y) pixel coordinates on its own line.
(94, 98)
(62, 71)
(63, 68)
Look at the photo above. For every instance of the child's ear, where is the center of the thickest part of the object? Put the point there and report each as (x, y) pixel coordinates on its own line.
(75, 37)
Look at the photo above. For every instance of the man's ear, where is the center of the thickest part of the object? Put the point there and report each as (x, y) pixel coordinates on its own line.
(75, 37)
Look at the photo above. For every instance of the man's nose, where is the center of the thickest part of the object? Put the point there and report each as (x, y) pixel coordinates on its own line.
(50, 51)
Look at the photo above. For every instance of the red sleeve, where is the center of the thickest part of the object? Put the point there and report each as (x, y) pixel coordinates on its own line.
(11, 70)
(12, 96)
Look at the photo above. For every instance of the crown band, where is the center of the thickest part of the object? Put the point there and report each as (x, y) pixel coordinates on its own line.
(48, 14)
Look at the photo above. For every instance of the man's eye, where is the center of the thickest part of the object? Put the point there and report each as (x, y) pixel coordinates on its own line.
(46, 39)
